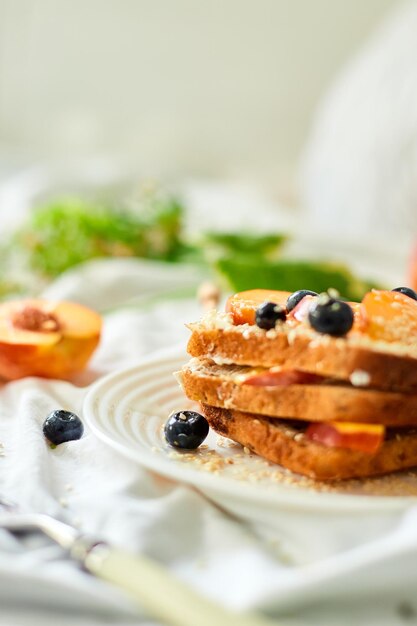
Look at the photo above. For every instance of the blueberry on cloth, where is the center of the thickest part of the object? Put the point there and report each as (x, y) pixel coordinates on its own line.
(186, 430)
(61, 425)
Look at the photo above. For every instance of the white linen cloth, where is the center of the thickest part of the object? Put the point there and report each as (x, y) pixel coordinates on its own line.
(87, 484)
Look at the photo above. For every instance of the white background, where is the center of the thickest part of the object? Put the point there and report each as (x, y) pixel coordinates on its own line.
(202, 87)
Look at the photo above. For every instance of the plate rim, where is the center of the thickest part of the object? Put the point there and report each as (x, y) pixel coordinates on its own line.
(208, 484)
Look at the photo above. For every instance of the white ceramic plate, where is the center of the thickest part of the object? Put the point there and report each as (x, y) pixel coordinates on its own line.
(128, 409)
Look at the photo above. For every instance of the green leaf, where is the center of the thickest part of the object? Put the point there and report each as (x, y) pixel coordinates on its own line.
(242, 273)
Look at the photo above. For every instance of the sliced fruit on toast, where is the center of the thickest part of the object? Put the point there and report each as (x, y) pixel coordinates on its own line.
(231, 386)
(285, 443)
(352, 435)
(382, 341)
(388, 366)
(242, 306)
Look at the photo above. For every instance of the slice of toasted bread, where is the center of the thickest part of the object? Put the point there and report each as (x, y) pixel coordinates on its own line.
(223, 386)
(389, 366)
(284, 443)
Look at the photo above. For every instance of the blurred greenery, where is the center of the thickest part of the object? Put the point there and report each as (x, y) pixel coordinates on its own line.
(243, 243)
(62, 233)
(69, 231)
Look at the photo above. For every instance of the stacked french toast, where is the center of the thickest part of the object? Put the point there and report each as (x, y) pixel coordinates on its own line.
(323, 387)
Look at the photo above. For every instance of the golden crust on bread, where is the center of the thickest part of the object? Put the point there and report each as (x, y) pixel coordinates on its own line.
(284, 443)
(328, 356)
(222, 386)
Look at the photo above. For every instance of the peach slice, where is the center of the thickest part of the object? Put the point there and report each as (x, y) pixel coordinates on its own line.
(243, 305)
(389, 316)
(45, 338)
(362, 437)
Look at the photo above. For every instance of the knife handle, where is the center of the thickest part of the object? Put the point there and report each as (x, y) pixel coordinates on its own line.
(160, 594)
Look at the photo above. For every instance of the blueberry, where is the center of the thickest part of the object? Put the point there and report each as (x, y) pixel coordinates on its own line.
(186, 429)
(62, 426)
(297, 296)
(331, 316)
(407, 292)
(268, 314)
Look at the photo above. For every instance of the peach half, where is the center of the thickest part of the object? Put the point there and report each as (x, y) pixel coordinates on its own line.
(45, 338)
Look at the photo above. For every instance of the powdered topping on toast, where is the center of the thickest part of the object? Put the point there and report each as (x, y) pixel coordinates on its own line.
(392, 331)
(216, 320)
